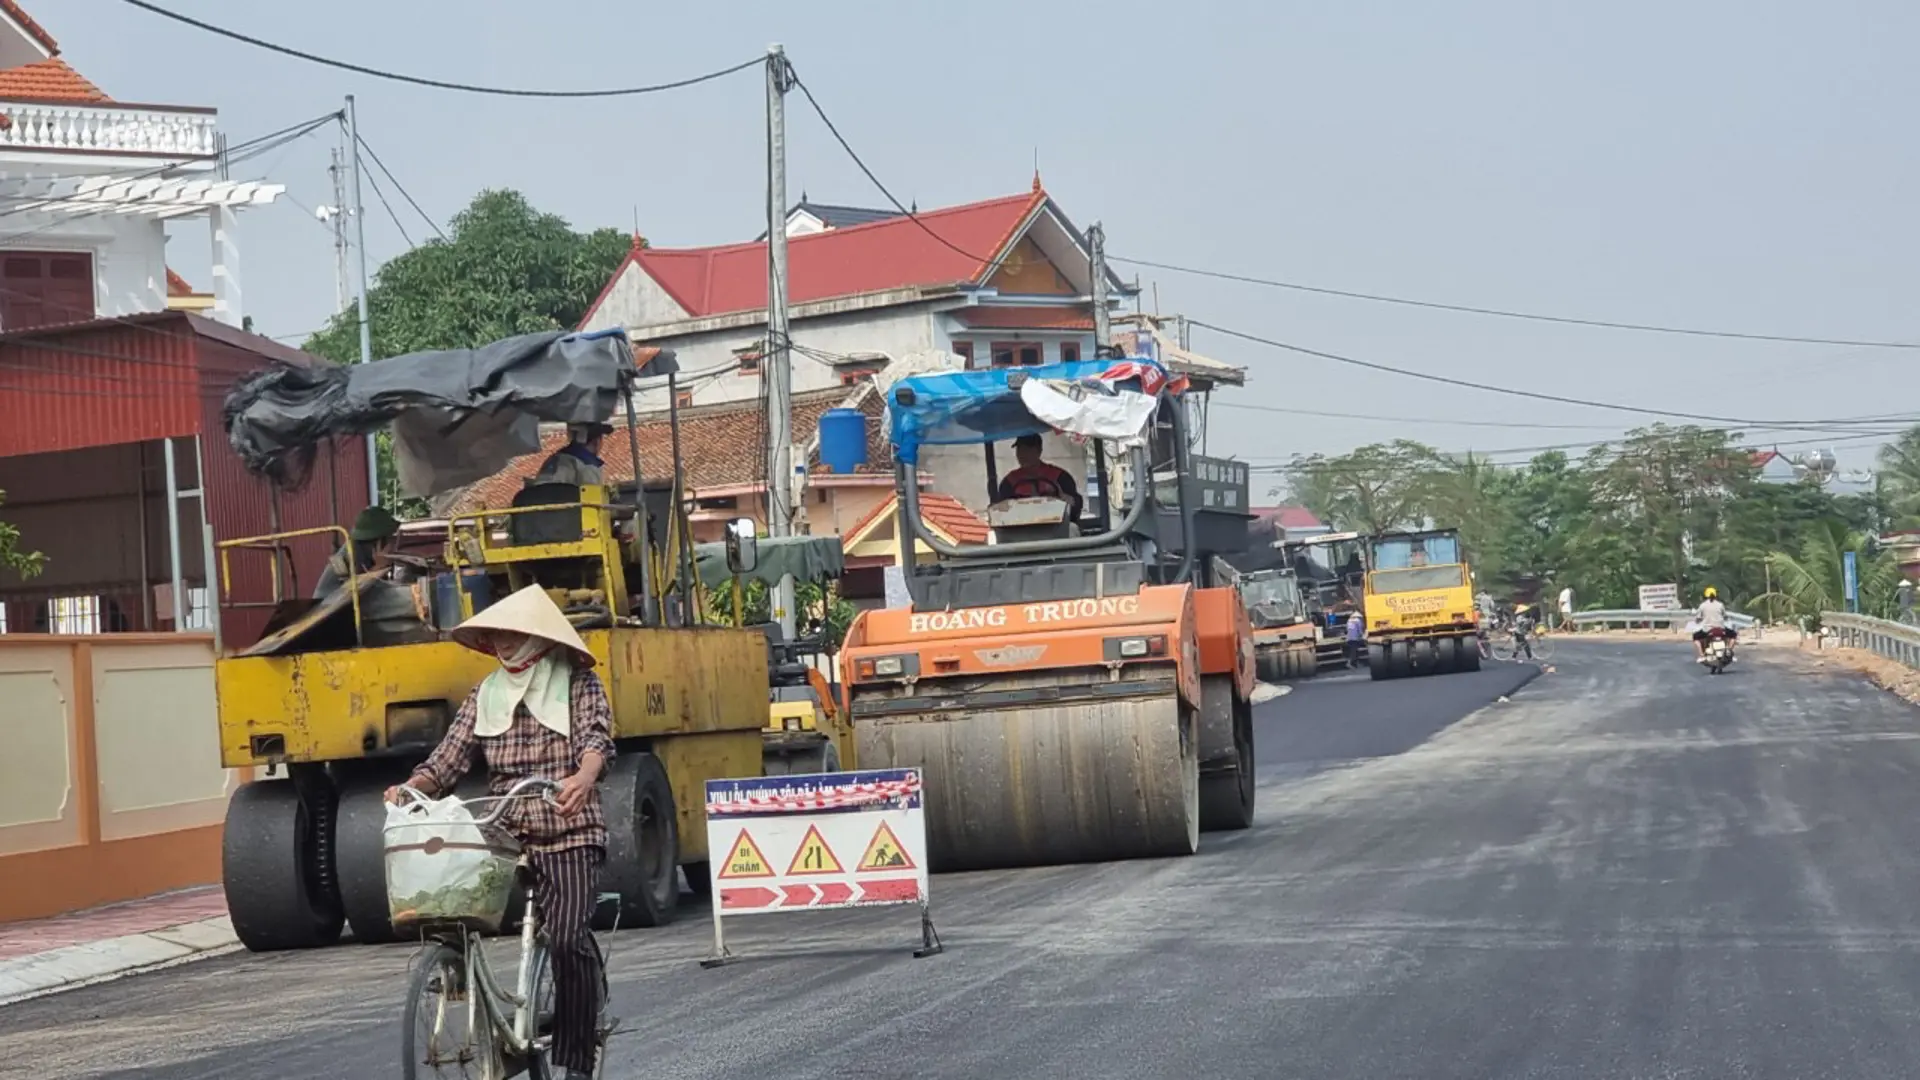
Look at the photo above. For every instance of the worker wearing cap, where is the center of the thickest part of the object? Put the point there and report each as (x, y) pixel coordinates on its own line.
(577, 463)
(373, 534)
(1036, 479)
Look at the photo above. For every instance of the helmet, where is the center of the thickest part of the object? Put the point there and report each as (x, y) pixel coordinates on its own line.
(1709, 592)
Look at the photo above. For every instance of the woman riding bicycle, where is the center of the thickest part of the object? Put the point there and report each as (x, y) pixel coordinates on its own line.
(541, 714)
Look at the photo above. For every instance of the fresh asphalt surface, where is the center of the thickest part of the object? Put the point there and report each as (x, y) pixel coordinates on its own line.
(1630, 869)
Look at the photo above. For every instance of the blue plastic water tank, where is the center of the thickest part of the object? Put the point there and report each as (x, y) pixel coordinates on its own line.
(843, 439)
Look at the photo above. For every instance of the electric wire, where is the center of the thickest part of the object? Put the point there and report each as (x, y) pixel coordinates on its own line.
(438, 84)
(1606, 324)
(401, 188)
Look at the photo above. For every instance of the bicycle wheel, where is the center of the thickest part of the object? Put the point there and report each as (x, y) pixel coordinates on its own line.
(1543, 648)
(449, 1031)
(540, 1066)
(1503, 648)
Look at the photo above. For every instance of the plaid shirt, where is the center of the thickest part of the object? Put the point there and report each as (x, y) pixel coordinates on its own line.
(527, 749)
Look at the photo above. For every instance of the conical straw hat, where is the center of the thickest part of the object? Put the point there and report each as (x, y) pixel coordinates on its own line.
(530, 611)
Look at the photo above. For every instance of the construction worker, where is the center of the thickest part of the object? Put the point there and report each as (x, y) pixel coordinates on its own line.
(1036, 479)
(579, 461)
(373, 535)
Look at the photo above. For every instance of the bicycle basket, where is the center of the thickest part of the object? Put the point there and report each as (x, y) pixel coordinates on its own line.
(442, 871)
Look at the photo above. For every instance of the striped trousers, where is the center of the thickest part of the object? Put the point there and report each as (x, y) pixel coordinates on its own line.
(565, 884)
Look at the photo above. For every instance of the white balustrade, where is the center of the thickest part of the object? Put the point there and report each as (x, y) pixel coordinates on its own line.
(107, 129)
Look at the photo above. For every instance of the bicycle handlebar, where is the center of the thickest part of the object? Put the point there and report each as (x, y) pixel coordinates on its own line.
(531, 787)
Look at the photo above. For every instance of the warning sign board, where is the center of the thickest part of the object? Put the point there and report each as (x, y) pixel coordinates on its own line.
(745, 860)
(884, 852)
(813, 856)
(809, 824)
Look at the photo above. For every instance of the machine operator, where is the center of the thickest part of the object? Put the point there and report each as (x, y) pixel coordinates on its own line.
(1036, 479)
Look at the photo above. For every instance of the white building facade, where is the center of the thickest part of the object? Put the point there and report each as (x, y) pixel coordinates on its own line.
(88, 185)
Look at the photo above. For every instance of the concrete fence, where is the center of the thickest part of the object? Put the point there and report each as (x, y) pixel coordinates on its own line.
(110, 779)
(1895, 641)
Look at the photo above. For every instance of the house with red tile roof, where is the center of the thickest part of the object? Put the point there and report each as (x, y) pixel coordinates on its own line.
(1004, 281)
(92, 184)
(723, 453)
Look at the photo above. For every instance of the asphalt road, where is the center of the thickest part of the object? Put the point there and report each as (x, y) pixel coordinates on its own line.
(1630, 869)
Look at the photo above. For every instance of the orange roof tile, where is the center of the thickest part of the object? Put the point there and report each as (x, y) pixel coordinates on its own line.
(34, 30)
(944, 512)
(1026, 318)
(48, 80)
(719, 446)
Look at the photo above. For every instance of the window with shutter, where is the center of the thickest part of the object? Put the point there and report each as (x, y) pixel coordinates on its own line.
(45, 288)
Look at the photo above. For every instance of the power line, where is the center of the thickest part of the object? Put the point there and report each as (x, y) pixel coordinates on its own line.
(401, 188)
(1507, 390)
(897, 204)
(1651, 328)
(438, 84)
(382, 196)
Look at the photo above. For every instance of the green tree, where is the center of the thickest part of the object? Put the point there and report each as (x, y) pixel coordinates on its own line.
(1812, 578)
(24, 563)
(1899, 479)
(1373, 489)
(504, 269)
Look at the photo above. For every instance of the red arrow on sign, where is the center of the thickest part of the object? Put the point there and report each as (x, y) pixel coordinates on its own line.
(896, 889)
(835, 893)
(800, 896)
(747, 898)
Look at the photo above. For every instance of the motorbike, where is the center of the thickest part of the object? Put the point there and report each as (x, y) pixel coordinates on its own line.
(1719, 650)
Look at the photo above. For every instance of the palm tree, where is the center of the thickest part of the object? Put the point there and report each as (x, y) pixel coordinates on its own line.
(1900, 477)
(1814, 579)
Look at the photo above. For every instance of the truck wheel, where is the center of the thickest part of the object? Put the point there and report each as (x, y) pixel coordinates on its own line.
(643, 840)
(699, 878)
(1377, 663)
(1469, 650)
(276, 857)
(1399, 659)
(1446, 655)
(360, 853)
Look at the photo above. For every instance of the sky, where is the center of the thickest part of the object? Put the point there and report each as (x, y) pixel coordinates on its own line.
(1733, 164)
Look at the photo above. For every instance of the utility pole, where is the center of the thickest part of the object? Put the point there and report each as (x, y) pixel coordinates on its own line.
(337, 172)
(366, 328)
(1097, 250)
(779, 359)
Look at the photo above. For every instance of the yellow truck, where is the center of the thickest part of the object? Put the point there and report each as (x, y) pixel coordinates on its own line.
(1419, 606)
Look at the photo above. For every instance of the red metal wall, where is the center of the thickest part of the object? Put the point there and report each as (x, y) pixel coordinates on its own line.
(241, 504)
(116, 383)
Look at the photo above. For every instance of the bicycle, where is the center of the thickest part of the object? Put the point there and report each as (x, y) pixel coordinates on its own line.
(460, 1021)
(1539, 647)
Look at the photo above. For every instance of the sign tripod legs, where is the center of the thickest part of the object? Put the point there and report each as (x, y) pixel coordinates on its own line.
(930, 943)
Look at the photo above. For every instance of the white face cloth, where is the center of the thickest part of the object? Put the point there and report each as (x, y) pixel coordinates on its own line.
(544, 686)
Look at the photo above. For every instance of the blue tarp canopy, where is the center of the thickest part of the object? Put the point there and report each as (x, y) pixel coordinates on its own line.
(970, 407)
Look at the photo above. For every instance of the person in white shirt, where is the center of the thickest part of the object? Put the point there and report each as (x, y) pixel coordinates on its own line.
(1566, 608)
(1709, 616)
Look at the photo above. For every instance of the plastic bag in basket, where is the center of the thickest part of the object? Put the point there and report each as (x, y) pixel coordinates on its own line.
(442, 866)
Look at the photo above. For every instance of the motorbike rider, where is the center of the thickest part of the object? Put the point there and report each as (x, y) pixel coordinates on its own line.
(1711, 615)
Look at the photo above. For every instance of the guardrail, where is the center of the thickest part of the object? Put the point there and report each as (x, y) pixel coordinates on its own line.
(1895, 641)
(1630, 618)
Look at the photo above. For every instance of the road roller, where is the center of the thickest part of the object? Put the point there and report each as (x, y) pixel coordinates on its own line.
(1421, 618)
(343, 696)
(1285, 635)
(1076, 689)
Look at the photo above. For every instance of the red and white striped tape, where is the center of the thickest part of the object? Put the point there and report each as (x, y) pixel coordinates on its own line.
(825, 799)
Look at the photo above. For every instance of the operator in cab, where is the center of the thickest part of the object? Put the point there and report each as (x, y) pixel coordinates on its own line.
(1709, 616)
(577, 463)
(1037, 479)
(373, 534)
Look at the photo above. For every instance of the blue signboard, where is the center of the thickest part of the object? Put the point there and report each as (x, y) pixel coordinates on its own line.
(1850, 568)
